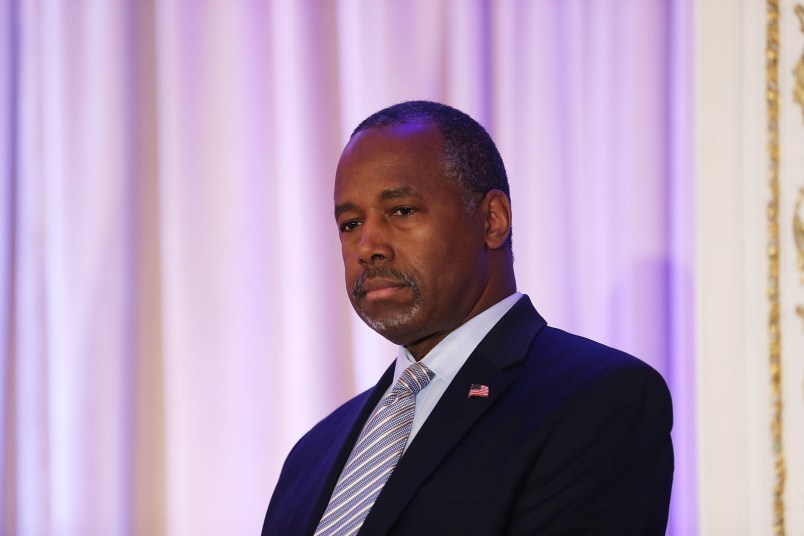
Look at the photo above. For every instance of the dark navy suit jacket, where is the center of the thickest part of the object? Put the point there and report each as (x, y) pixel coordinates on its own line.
(574, 438)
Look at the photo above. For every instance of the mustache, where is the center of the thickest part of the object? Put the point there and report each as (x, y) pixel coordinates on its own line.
(385, 273)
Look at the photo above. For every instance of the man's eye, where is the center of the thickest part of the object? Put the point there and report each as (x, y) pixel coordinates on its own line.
(403, 211)
(349, 226)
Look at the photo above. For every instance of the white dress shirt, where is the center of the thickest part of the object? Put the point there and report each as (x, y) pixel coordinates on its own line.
(447, 358)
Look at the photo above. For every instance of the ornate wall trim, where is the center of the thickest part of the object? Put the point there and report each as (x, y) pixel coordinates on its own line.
(798, 221)
(798, 90)
(774, 330)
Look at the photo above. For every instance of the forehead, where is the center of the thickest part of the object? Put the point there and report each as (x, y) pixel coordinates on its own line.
(391, 157)
(416, 134)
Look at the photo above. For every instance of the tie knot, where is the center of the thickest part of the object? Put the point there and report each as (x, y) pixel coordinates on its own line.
(414, 378)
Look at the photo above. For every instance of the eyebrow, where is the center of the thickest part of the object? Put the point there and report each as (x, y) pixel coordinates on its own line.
(396, 193)
(385, 195)
(343, 207)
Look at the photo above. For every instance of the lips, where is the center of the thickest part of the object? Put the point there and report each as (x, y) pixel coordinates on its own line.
(378, 289)
(379, 283)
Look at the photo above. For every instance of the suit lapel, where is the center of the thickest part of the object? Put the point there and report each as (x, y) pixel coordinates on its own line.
(324, 476)
(506, 344)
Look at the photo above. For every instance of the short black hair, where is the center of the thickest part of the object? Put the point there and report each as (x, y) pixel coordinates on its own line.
(471, 159)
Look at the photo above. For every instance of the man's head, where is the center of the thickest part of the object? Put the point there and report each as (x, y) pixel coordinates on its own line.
(470, 158)
(421, 202)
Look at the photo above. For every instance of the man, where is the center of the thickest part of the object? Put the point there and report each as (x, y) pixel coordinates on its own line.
(496, 423)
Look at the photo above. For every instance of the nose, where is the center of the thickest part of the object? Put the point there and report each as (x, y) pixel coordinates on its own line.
(374, 245)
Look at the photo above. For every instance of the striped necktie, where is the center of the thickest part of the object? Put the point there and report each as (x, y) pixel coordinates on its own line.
(374, 456)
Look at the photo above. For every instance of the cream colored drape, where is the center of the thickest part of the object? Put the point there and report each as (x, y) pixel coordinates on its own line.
(172, 315)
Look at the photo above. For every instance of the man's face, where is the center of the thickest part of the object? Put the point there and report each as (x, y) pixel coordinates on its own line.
(415, 262)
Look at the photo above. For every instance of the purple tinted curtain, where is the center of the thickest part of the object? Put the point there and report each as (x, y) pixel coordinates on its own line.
(173, 315)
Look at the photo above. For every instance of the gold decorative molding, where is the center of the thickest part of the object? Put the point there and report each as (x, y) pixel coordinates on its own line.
(798, 234)
(798, 90)
(774, 335)
(799, 9)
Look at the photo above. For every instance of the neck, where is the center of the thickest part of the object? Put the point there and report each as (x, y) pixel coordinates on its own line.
(420, 348)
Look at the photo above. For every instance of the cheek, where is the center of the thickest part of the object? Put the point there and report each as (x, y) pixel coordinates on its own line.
(455, 267)
(432, 267)
(349, 276)
(350, 271)
(349, 258)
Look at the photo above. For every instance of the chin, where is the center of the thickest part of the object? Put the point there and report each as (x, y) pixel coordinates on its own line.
(391, 327)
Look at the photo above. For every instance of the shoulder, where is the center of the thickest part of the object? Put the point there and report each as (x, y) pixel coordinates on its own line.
(313, 457)
(563, 373)
(337, 422)
(558, 352)
(551, 366)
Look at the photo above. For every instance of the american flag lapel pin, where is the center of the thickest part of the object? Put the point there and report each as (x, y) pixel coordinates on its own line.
(477, 390)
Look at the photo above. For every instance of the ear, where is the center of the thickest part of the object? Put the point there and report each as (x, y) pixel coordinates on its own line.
(497, 218)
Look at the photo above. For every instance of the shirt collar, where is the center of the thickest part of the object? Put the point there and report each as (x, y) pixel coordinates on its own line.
(449, 355)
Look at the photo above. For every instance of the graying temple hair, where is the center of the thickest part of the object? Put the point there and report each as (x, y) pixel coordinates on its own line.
(471, 160)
